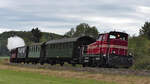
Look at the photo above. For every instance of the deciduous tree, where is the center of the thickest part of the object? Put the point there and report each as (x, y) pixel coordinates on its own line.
(145, 30)
(36, 33)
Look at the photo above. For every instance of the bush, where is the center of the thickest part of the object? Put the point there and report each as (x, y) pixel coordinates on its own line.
(142, 63)
(140, 46)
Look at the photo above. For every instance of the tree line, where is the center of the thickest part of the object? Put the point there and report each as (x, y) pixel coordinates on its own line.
(138, 45)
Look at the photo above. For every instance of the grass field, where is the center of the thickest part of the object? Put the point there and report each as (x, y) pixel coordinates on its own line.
(15, 77)
(22, 75)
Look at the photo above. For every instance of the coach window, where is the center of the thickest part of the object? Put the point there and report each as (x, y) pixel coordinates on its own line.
(69, 45)
(62, 45)
(50, 46)
(66, 45)
(53, 45)
(32, 49)
(58, 45)
(37, 48)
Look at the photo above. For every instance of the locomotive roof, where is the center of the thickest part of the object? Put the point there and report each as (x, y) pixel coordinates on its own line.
(112, 32)
(63, 40)
(118, 32)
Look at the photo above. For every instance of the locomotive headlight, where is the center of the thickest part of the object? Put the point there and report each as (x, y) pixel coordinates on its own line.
(104, 55)
(130, 54)
(113, 52)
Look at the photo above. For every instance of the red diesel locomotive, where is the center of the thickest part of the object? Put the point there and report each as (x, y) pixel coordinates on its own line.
(110, 49)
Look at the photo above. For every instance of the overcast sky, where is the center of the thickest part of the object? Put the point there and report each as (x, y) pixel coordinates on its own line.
(59, 16)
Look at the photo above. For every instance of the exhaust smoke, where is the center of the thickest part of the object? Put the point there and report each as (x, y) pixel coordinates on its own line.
(14, 42)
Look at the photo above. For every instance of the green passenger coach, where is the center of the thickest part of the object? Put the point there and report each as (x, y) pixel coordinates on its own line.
(65, 50)
(35, 52)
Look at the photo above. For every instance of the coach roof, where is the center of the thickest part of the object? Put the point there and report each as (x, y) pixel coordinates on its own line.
(63, 40)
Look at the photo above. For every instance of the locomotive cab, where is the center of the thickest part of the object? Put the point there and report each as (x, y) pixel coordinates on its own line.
(118, 43)
(118, 50)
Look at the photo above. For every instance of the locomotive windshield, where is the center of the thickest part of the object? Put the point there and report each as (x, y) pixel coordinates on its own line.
(117, 35)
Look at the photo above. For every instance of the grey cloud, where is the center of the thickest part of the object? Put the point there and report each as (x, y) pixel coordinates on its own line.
(27, 13)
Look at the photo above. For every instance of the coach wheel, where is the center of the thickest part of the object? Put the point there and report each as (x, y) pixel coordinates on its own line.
(61, 64)
(24, 62)
(27, 62)
(42, 63)
(35, 62)
(52, 63)
(74, 65)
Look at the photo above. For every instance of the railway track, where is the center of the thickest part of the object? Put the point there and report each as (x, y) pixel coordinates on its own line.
(87, 69)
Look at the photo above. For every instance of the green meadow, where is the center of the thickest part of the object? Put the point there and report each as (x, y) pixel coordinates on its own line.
(19, 77)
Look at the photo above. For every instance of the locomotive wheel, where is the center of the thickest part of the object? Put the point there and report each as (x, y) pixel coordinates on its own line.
(84, 65)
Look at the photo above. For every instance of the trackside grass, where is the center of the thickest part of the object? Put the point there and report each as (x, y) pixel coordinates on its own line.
(10, 74)
(19, 77)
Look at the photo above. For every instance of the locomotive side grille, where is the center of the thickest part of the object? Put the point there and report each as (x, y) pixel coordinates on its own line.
(106, 46)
